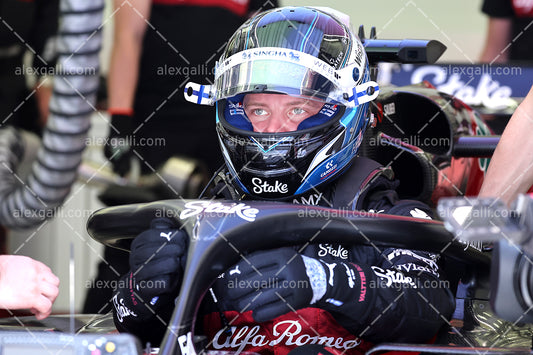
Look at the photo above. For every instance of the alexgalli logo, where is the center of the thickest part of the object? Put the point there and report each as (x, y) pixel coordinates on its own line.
(185, 70)
(241, 210)
(25, 70)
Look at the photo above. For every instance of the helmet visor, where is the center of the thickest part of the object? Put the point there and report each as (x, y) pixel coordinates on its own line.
(286, 71)
(273, 76)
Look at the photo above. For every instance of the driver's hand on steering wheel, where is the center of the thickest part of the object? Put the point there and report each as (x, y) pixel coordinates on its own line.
(157, 260)
(274, 282)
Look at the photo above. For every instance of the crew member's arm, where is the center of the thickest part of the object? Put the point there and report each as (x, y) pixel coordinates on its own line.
(498, 37)
(511, 167)
(27, 284)
(131, 19)
(497, 41)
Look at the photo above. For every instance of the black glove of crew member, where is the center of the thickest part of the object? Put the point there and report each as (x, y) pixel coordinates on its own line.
(278, 281)
(157, 260)
(117, 148)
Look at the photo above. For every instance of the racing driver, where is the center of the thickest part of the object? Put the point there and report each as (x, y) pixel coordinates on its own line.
(292, 92)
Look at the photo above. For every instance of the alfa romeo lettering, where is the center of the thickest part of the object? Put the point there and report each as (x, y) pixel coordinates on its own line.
(291, 335)
(261, 186)
(242, 210)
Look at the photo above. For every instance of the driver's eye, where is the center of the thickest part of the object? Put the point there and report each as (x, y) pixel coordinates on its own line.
(259, 112)
(298, 111)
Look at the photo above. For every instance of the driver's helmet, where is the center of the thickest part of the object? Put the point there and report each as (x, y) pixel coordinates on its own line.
(298, 51)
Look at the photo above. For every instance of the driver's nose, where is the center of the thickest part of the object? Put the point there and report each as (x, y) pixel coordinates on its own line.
(273, 125)
(278, 123)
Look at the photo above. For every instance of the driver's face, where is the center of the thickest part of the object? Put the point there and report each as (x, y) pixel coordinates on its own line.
(272, 113)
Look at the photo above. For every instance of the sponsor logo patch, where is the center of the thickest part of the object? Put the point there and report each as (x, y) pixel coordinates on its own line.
(261, 186)
(240, 210)
(338, 252)
(289, 333)
(390, 277)
(121, 310)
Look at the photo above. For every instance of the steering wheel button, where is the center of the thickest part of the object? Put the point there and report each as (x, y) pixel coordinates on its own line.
(110, 347)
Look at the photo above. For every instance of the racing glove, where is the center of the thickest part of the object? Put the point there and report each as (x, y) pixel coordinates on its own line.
(117, 148)
(157, 260)
(272, 283)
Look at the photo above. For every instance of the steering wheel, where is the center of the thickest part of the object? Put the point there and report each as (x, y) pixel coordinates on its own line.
(220, 231)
